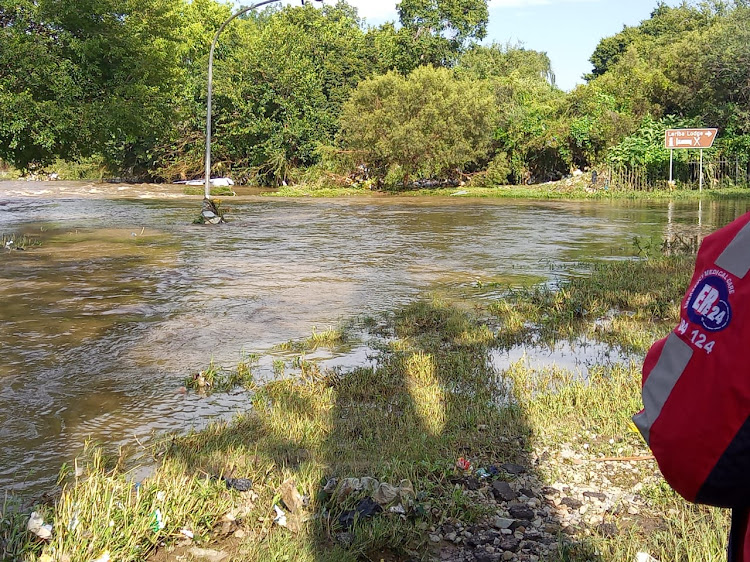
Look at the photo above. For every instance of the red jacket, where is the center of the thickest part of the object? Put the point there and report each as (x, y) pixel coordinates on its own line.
(696, 385)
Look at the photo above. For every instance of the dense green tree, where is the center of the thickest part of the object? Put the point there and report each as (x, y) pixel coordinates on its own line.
(458, 20)
(83, 77)
(280, 87)
(428, 124)
(38, 120)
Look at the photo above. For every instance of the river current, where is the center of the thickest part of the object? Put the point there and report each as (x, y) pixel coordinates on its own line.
(118, 297)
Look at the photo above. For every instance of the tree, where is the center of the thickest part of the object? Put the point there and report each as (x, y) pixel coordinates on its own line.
(425, 125)
(84, 77)
(457, 20)
(280, 87)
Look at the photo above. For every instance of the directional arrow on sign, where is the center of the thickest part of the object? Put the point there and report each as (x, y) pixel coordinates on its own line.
(689, 138)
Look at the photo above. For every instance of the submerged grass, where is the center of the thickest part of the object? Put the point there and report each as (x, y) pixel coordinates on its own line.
(579, 188)
(330, 338)
(624, 303)
(432, 397)
(10, 242)
(220, 379)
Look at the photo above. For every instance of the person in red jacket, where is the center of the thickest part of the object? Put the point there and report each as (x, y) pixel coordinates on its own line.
(696, 386)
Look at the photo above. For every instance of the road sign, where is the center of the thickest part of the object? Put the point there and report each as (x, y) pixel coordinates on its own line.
(690, 138)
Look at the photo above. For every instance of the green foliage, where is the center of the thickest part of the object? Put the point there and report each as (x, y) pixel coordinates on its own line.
(426, 125)
(123, 84)
(280, 80)
(457, 20)
(646, 146)
(80, 78)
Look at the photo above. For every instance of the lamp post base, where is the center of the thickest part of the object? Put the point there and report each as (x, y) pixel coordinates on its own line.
(210, 213)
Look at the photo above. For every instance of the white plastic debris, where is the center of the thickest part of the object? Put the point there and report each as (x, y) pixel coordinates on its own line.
(645, 557)
(187, 533)
(280, 516)
(36, 525)
(105, 557)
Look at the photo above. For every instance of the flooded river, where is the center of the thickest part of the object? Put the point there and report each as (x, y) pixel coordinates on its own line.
(124, 298)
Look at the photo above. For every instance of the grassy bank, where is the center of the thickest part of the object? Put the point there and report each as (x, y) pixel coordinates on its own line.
(560, 190)
(448, 450)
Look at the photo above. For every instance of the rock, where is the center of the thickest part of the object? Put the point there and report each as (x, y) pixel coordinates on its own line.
(208, 554)
(521, 512)
(291, 497)
(595, 495)
(512, 468)
(508, 555)
(435, 539)
(510, 544)
(471, 483)
(451, 537)
(607, 530)
(503, 491)
(572, 503)
(502, 523)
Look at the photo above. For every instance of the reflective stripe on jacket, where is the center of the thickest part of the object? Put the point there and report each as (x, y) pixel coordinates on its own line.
(696, 384)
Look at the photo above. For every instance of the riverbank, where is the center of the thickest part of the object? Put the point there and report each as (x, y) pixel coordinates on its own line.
(578, 188)
(431, 453)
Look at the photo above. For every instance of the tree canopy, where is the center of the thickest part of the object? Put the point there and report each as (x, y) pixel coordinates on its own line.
(299, 90)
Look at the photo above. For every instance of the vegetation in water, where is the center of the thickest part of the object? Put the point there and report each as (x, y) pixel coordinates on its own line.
(11, 242)
(432, 399)
(220, 379)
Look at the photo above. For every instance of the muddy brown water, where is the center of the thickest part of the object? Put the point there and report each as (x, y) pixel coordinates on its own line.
(124, 298)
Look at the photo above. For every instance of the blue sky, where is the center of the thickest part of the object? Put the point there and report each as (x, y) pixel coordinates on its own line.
(567, 30)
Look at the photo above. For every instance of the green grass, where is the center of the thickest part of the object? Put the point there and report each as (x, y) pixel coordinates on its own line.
(329, 338)
(628, 304)
(432, 397)
(561, 190)
(220, 379)
(11, 242)
(219, 191)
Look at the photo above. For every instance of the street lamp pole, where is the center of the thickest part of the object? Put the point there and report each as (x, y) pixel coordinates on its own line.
(210, 90)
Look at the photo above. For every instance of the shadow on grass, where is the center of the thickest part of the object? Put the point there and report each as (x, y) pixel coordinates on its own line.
(434, 398)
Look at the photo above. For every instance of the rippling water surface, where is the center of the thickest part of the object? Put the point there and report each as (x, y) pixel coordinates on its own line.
(124, 298)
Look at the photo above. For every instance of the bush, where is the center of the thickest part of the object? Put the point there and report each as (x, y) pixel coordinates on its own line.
(427, 125)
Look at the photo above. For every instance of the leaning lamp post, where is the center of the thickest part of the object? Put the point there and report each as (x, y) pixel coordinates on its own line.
(210, 88)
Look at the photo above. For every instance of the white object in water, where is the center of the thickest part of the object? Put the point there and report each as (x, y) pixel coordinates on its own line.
(215, 182)
(36, 525)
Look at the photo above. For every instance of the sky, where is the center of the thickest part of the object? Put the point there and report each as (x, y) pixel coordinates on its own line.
(567, 30)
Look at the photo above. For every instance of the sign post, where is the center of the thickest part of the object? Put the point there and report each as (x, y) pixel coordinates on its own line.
(689, 138)
(671, 161)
